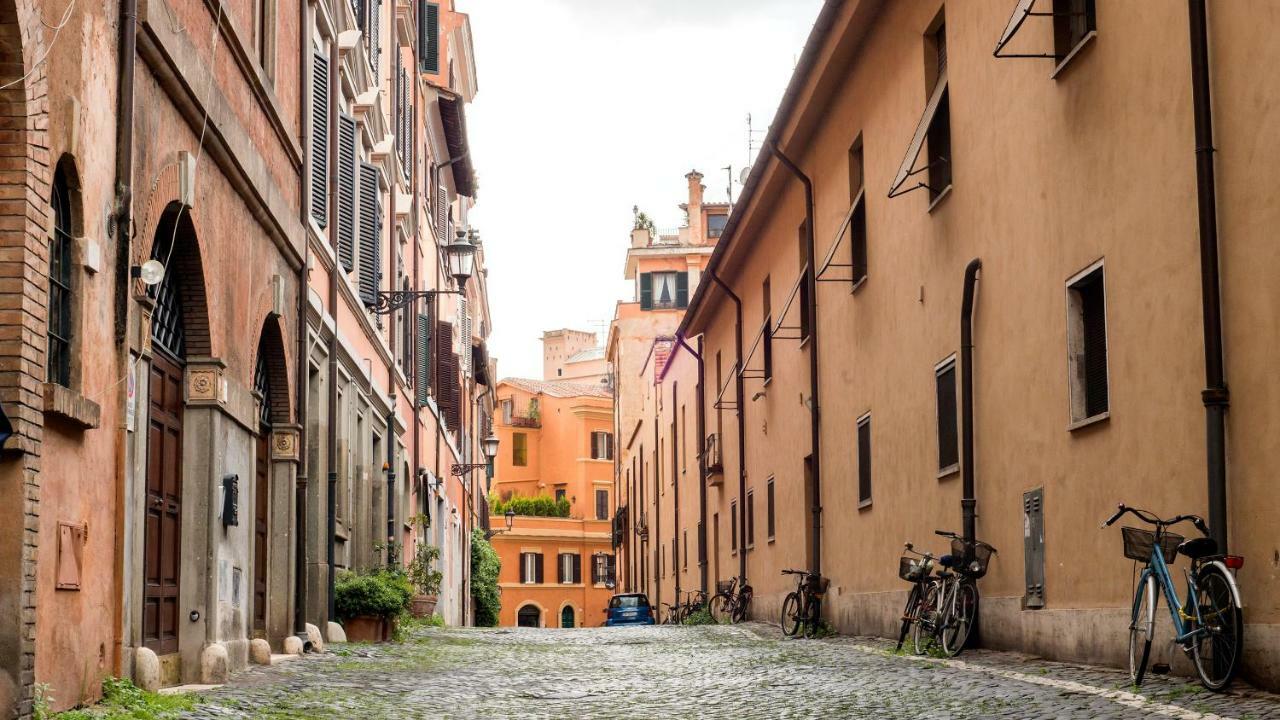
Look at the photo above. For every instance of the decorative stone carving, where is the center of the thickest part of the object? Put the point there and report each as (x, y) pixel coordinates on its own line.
(284, 445)
(206, 382)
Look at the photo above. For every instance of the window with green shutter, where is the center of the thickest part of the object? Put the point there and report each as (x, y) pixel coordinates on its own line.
(428, 37)
(320, 139)
(422, 379)
(646, 291)
(347, 192)
(370, 234)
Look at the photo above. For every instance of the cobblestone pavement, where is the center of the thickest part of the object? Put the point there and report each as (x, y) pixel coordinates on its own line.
(737, 672)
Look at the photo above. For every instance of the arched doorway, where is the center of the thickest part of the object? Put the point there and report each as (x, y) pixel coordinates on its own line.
(566, 617)
(529, 616)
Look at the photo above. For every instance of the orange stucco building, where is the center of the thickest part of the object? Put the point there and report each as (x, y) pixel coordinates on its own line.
(556, 441)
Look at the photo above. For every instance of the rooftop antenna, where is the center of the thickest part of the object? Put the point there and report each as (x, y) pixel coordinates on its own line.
(729, 188)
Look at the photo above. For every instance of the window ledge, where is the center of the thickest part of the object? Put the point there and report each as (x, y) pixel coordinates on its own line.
(1080, 46)
(864, 504)
(771, 539)
(948, 471)
(946, 192)
(1089, 421)
(70, 405)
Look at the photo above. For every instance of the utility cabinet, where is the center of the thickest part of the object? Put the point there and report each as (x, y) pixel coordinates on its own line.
(1033, 547)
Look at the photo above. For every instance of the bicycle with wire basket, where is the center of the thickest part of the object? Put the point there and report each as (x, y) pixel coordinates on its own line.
(948, 608)
(677, 613)
(1208, 625)
(729, 604)
(802, 608)
(918, 571)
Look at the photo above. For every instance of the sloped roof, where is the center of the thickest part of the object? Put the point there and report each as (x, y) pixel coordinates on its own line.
(559, 389)
(596, 353)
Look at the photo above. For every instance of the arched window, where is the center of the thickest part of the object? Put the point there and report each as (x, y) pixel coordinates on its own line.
(61, 300)
(566, 617)
(529, 616)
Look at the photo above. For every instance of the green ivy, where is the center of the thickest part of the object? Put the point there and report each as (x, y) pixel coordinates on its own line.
(485, 566)
(536, 506)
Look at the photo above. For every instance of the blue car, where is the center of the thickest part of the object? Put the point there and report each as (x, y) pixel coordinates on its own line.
(629, 609)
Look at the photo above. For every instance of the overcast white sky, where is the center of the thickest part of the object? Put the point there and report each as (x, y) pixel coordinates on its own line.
(588, 107)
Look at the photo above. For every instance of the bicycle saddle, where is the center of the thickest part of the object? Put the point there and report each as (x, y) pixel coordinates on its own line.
(1197, 548)
(948, 561)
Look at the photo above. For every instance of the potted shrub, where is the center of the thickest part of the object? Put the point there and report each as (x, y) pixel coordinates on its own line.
(370, 604)
(425, 579)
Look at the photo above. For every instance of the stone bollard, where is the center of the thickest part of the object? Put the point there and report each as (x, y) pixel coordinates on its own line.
(260, 652)
(336, 633)
(146, 669)
(214, 664)
(317, 642)
(293, 645)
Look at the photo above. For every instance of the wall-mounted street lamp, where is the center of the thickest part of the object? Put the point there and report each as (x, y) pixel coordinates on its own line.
(510, 516)
(490, 447)
(461, 256)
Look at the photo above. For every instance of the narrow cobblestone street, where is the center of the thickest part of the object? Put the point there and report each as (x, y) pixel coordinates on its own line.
(671, 672)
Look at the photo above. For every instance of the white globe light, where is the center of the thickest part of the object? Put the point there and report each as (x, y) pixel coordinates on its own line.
(152, 272)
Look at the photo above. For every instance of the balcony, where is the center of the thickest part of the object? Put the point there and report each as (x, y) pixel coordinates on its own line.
(525, 422)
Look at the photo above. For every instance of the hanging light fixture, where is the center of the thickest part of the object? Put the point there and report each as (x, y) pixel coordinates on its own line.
(462, 257)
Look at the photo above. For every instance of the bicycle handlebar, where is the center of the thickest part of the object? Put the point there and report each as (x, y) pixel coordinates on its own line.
(1151, 519)
(796, 572)
(945, 533)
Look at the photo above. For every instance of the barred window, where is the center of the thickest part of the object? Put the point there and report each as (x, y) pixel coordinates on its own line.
(61, 298)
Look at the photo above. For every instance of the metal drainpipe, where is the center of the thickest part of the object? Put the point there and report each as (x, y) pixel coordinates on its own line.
(124, 259)
(675, 496)
(1215, 396)
(739, 391)
(301, 364)
(968, 502)
(332, 499)
(700, 420)
(815, 428)
(656, 531)
(391, 481)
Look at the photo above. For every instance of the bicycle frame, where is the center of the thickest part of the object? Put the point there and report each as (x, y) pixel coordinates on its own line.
(1157, 568)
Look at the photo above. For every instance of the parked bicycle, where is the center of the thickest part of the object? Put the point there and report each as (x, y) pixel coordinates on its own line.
(1208, 625)
(729, 604)
(948, 608)
(917, 571)
(694, 601)
(802, 609)
(670, 614)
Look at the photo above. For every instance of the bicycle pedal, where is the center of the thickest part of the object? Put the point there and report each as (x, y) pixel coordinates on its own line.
(1160, 669)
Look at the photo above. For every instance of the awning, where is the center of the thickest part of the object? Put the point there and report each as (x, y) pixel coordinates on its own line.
(454, 120)
(922, 129)
(1020, 14)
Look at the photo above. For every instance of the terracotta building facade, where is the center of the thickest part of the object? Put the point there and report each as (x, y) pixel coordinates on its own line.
(1109, 296)
(236, 360)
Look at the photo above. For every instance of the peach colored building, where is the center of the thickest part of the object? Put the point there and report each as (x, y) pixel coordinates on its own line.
(1042, 201)
(573, 356)
(556, 441)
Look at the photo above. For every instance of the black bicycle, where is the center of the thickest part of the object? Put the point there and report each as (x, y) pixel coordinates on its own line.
(729, 605)
(802, 609)
(917, 571)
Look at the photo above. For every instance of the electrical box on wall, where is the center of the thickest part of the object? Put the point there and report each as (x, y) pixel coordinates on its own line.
(230, 506)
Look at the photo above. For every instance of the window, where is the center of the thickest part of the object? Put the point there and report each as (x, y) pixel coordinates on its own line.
(519, 449)
(560, 493)
(766, 340)
(508, 409)
(733, 526)
(864, 460)
(530, 568)
(939, 135)
(719, 406)
(264, 38)
(61, 300)
(320, 139)
(428, 37)
(716, 225)
(570, 568)
(803, 296)
(702, 550)
(768, 508)
(664, 291)
(1073, 21)
(1087, 345)
(601, 445)
(858, 214)
(684, 449)
(600, 568)
(602, 504)
(685, 545)
(948, 440)
(751, 518)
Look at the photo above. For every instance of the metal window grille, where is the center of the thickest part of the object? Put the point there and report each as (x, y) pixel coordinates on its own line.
(60, 297)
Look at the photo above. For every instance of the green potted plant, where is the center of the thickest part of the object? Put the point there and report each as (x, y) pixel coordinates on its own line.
(426, 580)
(369, 604)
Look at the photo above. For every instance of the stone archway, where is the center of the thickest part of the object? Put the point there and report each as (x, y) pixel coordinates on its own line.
(529, 615)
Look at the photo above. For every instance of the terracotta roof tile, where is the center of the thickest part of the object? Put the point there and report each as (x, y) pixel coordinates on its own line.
(559, 389)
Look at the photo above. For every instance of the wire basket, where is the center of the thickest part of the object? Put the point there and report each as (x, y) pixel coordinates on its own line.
(815, 585)
(974, 556)
(724, 586)
(1138, 542)
(912, 569)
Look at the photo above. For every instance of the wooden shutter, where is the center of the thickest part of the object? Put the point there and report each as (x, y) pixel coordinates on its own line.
(442, 216)
(537, 568)
(864, 460)
(646, 291)
(320, 139)
(370, 234)
(347, 192)
(577, 568)
(422, 369)
(682, 290)
(400, 124)
(455, 393)
(524, 568)
(428, 37)
(444, 351)
(1093, 310)
(374, 30)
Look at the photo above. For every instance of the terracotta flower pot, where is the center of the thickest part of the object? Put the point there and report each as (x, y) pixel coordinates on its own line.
(368, 629)
(423, 605)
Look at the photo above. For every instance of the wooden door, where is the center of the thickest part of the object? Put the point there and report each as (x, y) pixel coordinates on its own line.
(262, 489)
(163, 538)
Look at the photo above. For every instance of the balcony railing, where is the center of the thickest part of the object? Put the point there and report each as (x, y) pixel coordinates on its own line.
(525, 422)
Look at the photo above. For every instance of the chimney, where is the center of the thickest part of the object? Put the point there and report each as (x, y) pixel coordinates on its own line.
(697, 233)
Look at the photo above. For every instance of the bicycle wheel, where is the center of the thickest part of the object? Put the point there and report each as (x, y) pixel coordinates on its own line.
(909, 613)
(791, 614)
(740, 606)
(1141, 627)
(812, 617)
(1217, 652)
(924, 632)
(720, 608)
(963, 616)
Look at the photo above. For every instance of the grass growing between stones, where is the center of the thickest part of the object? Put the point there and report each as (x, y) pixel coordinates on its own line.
(122, 700)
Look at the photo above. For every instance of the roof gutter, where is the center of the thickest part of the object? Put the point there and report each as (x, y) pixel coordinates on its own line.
(739, 393)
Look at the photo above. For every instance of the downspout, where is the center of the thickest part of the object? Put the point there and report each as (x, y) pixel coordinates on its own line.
(739, 392)
(1215, 396)
(301, 365)
(700, 420)
(675, 490)
(123, 213)
(656, 531)
(332, 498)
(810, 281)
(968, 502)
(391, 480)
